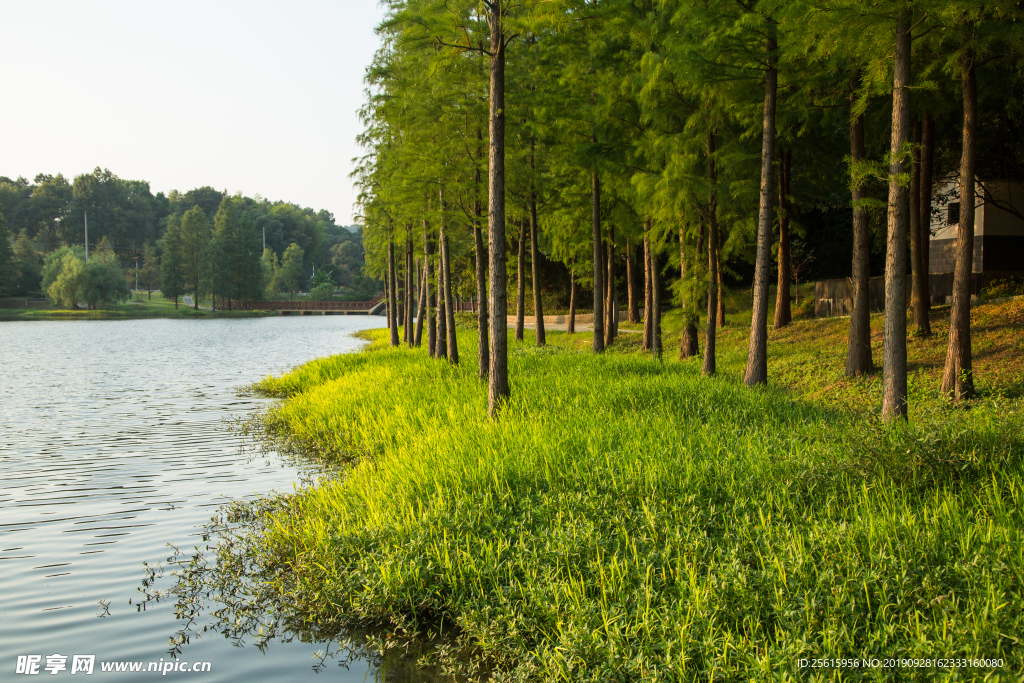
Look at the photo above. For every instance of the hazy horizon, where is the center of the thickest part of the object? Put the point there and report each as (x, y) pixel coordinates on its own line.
(256, 98)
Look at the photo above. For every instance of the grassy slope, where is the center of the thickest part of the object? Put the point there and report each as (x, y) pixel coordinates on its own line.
(630, 519)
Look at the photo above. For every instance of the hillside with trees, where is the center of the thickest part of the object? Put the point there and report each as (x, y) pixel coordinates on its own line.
(202, 243)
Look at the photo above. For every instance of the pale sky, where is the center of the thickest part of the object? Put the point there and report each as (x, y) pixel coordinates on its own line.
(257, 97)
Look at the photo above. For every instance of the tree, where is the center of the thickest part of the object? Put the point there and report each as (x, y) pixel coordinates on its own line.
(66, 284)
(103, 280)
(6, 259)
(172, 265)
(894, 352)
(757, 352)
(290, 273)
(957, 377)
(150, 272)
(195, 240)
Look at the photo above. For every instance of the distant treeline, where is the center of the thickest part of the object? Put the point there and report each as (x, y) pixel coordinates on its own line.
(201, 242)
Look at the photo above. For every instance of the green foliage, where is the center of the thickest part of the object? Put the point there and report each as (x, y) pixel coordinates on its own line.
(66, 284)
(288, 276)
(7, 270)
(103, 281)
(172, 267)
(149, 274)
(195, 248)
(322, 292)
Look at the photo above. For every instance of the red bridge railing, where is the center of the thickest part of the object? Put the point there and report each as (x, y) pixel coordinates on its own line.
(305, 305)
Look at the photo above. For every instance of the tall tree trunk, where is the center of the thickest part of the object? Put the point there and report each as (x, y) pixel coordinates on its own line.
(858, 354)
(483, 353)
(497, 386)
(538, 307)
(521, 281)
(783, 311)
(570, 327)
(428, 251)
(708, 367)
(633, 308)
(927, 158)
(648, 307)
(957, 376)
(721, 284)
(392, 294)
(446, 276)
(400, 288)
(595, 221)
(688, 336)
(610, 313)
(894, 349)
(410, 279)
(655, 302)
(421, 310)
(757, 350)
(441, 350)
(919, 297)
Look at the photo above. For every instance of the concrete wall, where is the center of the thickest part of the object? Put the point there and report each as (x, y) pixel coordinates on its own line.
(998, 233)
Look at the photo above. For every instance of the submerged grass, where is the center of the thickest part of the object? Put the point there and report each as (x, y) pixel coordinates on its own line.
(629, 520)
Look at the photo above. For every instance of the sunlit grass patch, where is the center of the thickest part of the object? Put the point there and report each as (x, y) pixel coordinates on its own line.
(630, 520)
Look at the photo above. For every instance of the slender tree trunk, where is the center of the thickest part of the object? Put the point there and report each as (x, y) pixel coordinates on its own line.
(538, 307)
(757, 351)
(646, 345)
(410, 278)
(428, 251)
(399, 297)
(858, 355)
(615, 307)
(570, 327)
(783, 311)
(483, 354)
(521, 281)
(446, 276)
(609, 310)
(391, 293)
(655, 301)
(721, 284)
(919, 297)
(894, 349)
(633, 307)
(595, 210)
(708, 367)
(927, 157)
(688, 337)
(441, 349)
(957, 376)
(497, 388)
(421, 309)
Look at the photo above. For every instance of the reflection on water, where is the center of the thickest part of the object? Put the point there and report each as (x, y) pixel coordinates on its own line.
(113, 442)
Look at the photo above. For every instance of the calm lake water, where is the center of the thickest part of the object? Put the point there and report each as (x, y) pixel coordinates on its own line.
(113, 442)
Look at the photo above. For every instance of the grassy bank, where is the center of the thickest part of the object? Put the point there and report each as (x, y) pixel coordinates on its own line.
(155, 308)
(629, 520)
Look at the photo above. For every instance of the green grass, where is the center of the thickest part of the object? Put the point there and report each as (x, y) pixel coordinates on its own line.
(632, 520)
(146, 308)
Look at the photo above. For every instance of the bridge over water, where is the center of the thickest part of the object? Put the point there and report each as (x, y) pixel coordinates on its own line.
(372, 307)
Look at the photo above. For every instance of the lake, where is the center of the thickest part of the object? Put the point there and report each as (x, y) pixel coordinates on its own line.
(115, 441)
